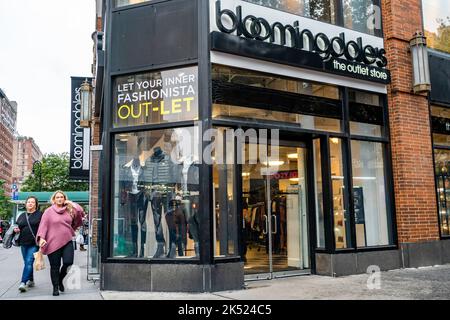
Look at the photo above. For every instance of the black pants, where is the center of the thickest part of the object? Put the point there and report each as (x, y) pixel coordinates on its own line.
(66, 254)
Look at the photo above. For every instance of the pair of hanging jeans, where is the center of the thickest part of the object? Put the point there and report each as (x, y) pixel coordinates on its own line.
(28, 259)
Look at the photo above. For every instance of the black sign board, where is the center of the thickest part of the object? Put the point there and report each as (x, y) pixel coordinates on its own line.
(79, 136)
(358, 197)
(255, 37)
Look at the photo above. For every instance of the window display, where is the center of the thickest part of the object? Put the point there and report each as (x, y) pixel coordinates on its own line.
(442, 166)
(372, 215)
(156, 191)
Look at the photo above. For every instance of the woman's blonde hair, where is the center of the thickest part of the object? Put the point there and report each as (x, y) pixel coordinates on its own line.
(52, 200)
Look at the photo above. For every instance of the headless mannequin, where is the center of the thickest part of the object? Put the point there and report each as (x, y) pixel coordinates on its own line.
(189, 182)
(136, 205)
(159, 172)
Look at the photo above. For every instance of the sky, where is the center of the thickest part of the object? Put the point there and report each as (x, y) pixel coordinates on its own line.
(42, 44)
(433, 9)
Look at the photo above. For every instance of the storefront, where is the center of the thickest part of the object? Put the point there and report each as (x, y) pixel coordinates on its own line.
(245, 143)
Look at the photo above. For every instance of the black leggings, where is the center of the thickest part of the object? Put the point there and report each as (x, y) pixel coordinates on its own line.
(66, 254)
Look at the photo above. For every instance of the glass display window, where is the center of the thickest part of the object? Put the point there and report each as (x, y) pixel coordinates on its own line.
(156, 194)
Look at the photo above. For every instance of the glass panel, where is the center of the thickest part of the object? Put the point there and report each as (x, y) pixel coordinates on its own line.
(322, 10)
(371, 213)
(436, 16)
(441, 139)
(225, 201)
(304, 121)
(440, 112)
(121, 3)
(155, 97)
(363, 16)
(156, 194)
(288, 211)
(93, 237)
(269, 81)
(442, 168)
(366, 114)
(340, 212)
(320, 226)
(255, 211)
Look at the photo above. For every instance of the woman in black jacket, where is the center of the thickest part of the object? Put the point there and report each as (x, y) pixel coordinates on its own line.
(27, 240)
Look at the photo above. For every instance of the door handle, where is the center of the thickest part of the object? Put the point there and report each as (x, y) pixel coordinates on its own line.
(266, 225)
(275, 224)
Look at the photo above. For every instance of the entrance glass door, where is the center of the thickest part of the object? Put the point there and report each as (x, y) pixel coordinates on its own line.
(274, 211)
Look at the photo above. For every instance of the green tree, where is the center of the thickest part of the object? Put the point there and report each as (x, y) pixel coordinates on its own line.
(443, 35)
(54, 174)
(5, 205)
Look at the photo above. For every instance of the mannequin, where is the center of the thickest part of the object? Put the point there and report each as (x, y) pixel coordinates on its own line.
(135, 203)
(159, 175)
(183, 154)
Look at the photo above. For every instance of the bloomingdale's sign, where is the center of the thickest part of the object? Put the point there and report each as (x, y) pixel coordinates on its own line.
(255, 37)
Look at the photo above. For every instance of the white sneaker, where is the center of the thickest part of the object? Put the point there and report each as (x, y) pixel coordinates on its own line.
(22, 287)
(30, 283)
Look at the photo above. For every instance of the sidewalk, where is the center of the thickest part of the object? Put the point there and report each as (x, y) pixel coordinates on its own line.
(430, 283)
(77, 286)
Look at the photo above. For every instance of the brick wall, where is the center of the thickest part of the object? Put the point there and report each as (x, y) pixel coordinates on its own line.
(413, 169)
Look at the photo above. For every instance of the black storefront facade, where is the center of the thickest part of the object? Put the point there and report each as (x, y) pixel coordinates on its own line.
(297, 111)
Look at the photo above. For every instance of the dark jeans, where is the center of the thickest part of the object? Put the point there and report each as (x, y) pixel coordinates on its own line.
(66, 254)
(28, 259)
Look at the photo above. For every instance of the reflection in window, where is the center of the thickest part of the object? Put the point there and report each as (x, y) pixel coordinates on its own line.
(275, 82)
(371, 215)
(224, 197)
(442, 167)
(366, 114)
(441, 139)
(341, 213)
(121, 3)
(320, 223)
(156, 194)
(305, 121)
(436, 18)
(322, 10)
(363, 16)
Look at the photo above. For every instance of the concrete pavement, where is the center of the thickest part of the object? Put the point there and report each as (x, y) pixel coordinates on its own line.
(407, 284)
(77, 286)
(411, 284)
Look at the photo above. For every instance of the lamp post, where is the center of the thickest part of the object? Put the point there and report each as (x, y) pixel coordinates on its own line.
(85, 103)
(37, 163)
(421, 69)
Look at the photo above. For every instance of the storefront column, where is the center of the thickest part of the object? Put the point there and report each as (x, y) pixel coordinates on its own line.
(413, 171)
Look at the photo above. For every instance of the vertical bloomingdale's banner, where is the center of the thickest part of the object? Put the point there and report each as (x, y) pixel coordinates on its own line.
(79, 136)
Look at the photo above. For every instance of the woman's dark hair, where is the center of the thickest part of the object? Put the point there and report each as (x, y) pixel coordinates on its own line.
(35, 200)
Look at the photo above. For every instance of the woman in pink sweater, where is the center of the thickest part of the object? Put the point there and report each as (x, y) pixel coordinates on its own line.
(54, 236)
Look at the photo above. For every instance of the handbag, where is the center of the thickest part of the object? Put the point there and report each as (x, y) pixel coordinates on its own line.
(38, 263)
(79, 239)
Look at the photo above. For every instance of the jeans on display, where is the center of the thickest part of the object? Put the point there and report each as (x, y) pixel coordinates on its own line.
(28, 259)
(157, 206)
(137, 210)
(65, 254)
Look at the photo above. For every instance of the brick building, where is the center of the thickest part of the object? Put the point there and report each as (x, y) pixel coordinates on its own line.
(361, 176)
(8, 118)
(26, 152)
